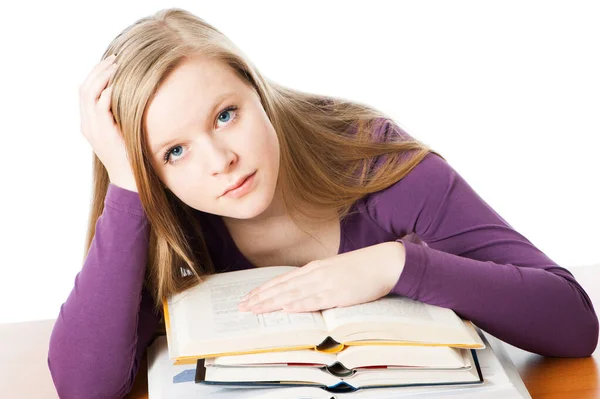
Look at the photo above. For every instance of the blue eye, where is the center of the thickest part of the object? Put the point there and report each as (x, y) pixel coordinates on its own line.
(169, 152)
(224, 113)
(228, 120)
(228, 111)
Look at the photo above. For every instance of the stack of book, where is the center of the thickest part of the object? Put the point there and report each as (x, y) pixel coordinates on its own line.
(391, 342)
(352, 369)
(501, 381)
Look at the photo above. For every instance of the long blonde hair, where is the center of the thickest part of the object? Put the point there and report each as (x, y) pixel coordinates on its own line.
(328, 145)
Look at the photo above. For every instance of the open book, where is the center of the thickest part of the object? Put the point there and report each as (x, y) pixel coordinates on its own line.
(204, 321)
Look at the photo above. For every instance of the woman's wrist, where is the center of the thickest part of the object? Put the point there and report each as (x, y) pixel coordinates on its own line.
(395, 259)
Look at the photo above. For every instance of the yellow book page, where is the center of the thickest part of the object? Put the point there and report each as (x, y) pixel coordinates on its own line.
(205, 321)
(394, 318)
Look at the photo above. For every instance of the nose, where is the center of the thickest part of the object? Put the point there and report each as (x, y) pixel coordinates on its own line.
(220, 157)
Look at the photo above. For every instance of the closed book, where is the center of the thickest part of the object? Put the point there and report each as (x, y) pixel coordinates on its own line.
(353, 357)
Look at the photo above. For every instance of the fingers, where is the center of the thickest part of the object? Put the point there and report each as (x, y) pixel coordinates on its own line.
(311, 303)
(283, 277)
(294, 301)
(281, 294)
(284, 288)
(94, 99)
(104, 100)
(101, 83)
(96, 81)
(274, 302)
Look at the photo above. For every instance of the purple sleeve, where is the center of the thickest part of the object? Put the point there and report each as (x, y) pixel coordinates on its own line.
(107, 321)
(472, 261)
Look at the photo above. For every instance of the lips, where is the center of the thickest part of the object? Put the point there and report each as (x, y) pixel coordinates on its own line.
(239, 183)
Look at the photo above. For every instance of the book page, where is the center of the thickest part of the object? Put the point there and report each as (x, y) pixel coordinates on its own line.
(392, 309)
(226, 317)
(210, 310)
(389, 308)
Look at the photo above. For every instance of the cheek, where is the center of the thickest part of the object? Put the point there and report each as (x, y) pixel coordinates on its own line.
(195, 194)
(261, 142)
(274, 153)
(270, 145)
(184, 180)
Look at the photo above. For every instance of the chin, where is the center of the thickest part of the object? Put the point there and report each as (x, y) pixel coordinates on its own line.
(250, 206)
(245, 213)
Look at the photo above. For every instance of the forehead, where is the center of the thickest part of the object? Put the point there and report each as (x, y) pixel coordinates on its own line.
(188, 91)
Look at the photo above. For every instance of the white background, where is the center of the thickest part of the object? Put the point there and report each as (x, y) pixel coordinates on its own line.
(507, 91)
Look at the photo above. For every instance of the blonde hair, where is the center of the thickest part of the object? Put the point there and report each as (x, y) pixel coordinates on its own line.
(328, 145)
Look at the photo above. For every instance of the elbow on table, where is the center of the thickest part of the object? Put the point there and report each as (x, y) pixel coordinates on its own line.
(82, 382)
(590, 337)
(579, 338)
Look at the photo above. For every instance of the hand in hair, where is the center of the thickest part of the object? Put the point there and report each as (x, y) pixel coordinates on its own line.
(351, 278)
(99, 127)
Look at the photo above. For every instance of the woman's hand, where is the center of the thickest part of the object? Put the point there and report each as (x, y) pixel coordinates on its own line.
(98, 125)
(359, 276)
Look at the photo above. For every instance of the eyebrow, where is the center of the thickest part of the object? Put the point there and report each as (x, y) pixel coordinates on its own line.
(218, 100)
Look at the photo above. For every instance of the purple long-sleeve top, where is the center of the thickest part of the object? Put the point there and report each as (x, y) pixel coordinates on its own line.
(460, 254)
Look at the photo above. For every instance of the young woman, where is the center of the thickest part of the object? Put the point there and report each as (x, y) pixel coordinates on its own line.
(203, 165)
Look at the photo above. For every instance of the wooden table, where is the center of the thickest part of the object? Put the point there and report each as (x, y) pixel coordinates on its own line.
(24, 371)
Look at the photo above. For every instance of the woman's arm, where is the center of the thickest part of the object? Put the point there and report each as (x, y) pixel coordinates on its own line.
(107, 321)
(475, 263)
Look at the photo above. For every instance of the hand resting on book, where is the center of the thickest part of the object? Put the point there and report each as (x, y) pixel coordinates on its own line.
(351, 278)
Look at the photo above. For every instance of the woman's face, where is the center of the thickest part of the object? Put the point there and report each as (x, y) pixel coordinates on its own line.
(213, 130)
